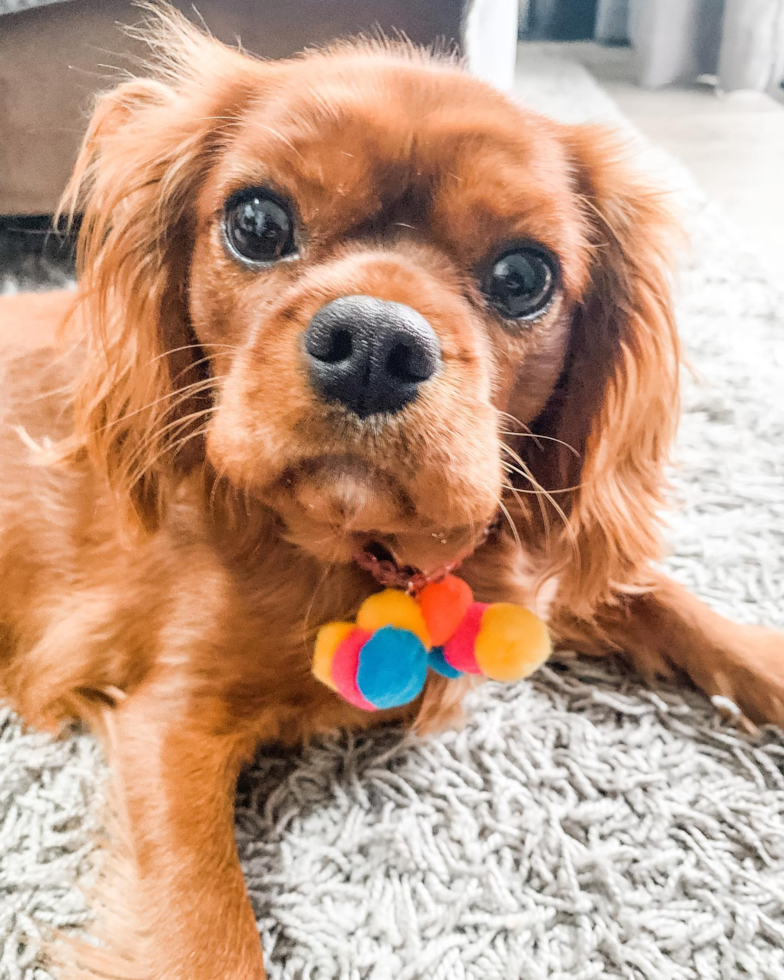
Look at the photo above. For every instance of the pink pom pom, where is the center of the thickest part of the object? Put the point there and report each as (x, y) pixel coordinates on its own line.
(344, 668)
(459, 650)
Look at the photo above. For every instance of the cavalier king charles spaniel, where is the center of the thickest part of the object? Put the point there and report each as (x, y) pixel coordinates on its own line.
(349, 310)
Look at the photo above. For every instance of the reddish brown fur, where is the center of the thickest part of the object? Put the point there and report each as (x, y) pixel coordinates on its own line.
(167, 560)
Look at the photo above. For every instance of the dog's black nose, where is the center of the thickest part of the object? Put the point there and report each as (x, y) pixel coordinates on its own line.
(369, 354)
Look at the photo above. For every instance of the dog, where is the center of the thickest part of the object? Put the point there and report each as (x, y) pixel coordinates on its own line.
(356, 303)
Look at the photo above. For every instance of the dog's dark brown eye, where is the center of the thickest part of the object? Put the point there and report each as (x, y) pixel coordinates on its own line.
(258, 226)
(521, 283)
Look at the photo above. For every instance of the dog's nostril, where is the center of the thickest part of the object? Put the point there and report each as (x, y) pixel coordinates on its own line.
(409, 363)
(340, 349)
(331, 345)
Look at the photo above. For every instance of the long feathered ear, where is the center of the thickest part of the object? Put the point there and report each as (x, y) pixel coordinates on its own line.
(616, 407)
(147, 148)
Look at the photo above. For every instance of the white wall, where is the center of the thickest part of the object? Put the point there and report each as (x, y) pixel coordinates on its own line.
(490, 41)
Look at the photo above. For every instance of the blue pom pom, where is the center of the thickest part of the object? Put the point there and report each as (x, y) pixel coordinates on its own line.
(438, 662)
(392, 667)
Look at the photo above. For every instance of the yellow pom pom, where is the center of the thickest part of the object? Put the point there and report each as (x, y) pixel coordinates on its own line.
(512, 642)
(393, 608)
(328, 639)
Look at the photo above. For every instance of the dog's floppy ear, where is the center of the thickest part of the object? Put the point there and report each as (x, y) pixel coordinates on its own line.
(145, 152)
(617, 404)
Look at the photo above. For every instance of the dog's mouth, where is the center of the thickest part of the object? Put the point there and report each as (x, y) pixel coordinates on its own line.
(340, 509)
(381, 562)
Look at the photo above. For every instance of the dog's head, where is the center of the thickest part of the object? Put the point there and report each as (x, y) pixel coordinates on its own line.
(350, 284)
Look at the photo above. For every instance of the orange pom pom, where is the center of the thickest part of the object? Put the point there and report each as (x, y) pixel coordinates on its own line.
(443, 605)
(512, 642)
(393, 608)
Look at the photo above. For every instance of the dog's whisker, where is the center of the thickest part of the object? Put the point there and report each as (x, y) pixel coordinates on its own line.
(157, 434)
(541, 493)
(173, 447)
(513, 527)
(538, 436)
(527, 433)
(181, 394)
(517, 493)
(511, 468)
(134, 478)
(207, 359)
(197, 345)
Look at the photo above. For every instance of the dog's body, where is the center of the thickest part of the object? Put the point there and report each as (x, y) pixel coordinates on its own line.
(170, 540)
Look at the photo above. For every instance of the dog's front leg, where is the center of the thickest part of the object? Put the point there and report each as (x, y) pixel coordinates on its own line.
(667, 630)
(175, 763)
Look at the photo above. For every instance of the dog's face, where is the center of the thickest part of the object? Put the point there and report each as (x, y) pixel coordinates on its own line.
(392, 272)
(386, 258)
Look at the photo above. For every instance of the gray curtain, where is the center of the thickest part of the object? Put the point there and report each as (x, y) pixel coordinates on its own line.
(612, 21)
(741, 42)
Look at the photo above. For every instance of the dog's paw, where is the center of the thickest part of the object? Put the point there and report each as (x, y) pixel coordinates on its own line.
(751, 676)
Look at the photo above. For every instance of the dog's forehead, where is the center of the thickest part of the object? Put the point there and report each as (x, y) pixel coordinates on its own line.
(393, 114)
(356, 138)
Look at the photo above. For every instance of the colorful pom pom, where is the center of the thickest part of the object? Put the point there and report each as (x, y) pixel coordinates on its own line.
(443, 605)
(382, 660)
(437, 662)
(459, 650)
(392, 667)
(328, 640)
(393, 608)
(344, 668)
(512, 642)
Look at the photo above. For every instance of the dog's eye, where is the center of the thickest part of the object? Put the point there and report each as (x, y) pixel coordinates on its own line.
(258, 226)
(521, 282)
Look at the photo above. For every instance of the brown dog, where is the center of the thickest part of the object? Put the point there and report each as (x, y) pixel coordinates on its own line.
(356, 300)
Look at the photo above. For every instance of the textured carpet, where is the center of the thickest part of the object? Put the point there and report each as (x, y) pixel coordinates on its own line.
(581, 826)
